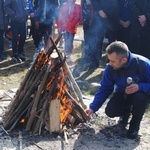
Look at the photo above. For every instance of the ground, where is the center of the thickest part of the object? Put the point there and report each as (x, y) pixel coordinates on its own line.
(100, 132)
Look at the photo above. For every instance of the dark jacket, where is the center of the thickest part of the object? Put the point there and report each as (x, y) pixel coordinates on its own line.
(140, 7)
(138, 67)
(16, 9)
(46, 11)
(110, 8)
(124, 10)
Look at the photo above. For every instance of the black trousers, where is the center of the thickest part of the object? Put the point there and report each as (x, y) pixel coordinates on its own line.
(19, 36)
(134, 103)
(1, 41)
(141, 45)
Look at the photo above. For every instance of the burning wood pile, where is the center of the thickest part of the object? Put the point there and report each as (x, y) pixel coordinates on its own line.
(48, 97)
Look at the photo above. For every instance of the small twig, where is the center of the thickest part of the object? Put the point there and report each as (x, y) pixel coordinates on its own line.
(65, 134)
(4, 130)
(8, 95)
(20, 140)
(37, 145)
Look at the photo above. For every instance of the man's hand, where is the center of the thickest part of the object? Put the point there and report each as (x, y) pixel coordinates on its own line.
(133, 88)
(37, 24)
(142, 20)
(32, 15)
(89, 111)
(102, 14)
(124, 24)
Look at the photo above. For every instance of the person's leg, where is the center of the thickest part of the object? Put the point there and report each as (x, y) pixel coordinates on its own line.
(22, 37)
(15, 33)
(124, 36)
(2, 56)
(145, 46)
(98, 31)
(86, 57)
(66, 39)
(139, 104)
(135, 45)
(118, 106)
(70, 43)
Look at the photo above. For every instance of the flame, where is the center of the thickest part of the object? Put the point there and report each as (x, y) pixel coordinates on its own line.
(42, 58)
(22, 121)
(66, 105)
(65, 109)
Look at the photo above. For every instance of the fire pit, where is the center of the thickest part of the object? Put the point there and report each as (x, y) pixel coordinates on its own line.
(48, 96)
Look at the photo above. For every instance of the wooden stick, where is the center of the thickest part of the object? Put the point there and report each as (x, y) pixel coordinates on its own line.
(37, 145)
(36, 101)
(65, 134)
(20, 140)
(4, 130)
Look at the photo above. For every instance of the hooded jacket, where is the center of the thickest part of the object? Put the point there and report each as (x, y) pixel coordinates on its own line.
(69, 17)
(137, 67)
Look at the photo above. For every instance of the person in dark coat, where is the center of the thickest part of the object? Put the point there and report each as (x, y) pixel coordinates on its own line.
(122, 30)
(140, 30)
(17, 11)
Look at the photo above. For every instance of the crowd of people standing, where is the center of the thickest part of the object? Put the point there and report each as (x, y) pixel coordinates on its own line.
(121, 20)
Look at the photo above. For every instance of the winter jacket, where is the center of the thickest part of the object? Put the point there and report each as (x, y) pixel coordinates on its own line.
(138, 67)
(140, 7)
(69, 17)
(16, 9)
(111, 9)
(46, 11)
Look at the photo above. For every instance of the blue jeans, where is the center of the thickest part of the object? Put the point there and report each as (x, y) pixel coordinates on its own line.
(19, 36)
(93, 36)
(68, 37)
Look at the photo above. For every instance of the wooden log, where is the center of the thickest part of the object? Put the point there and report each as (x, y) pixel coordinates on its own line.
(54, 116)
(36, 101)
(21, 106)
(78, 107)
(76, 87)
(44, 108)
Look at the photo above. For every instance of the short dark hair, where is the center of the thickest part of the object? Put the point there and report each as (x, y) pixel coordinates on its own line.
(120, 48)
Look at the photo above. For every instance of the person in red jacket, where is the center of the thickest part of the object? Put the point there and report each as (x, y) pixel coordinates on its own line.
(69, 18)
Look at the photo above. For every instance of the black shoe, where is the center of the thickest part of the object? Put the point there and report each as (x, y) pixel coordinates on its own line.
(134, 128)
(16, 58)
(22, 57)
(132, 134)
